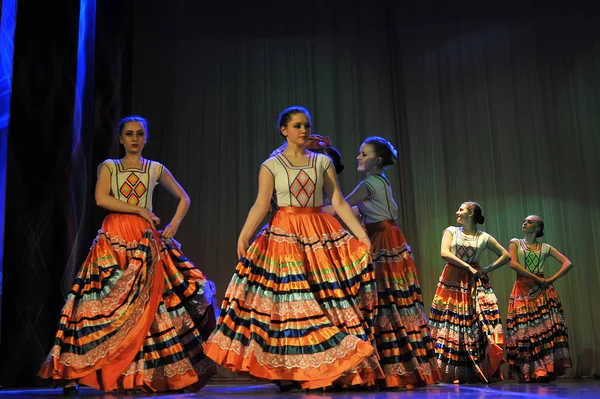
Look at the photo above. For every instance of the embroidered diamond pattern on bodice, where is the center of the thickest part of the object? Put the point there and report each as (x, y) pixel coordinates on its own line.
(133, 189)
(466, 252)
(302, 188)
(532, 261)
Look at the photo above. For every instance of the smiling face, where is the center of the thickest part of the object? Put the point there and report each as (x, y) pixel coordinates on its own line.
(133, 137)
(297, 129)
(368, 161)
(463, 214)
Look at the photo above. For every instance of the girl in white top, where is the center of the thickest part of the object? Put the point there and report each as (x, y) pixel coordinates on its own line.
(404, 343)
(464, 317)
(299, 310)
(139, 310)
(537, 342)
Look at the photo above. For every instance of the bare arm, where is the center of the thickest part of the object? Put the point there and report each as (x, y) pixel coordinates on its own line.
(503, 256)
(174, 188)
(359, 194)
(258, 211)
(342, 209)
(449, 257)
(517, 267)
(566, 265)
(110, 203)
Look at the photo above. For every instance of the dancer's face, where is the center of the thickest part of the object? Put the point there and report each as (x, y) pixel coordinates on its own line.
(133, 137)
(368, 161)
(530, 225)
(297, 130)
(463, 214)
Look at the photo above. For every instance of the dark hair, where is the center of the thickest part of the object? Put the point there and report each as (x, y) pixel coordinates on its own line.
(383, 149)
(477, 212)
(132, 118)
(320, 145)
(540, 223)
(336, 157)
(286, 115)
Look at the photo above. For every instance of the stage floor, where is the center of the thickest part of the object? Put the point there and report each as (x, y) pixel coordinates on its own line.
(581, 389)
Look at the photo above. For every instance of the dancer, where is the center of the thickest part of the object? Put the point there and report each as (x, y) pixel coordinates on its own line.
(300, 306)
(404, 342)
(139, 310)
(537, 343)
(317, 144)
(464, 318)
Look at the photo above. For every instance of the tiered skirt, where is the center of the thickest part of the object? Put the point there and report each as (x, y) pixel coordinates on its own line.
(466, 326)
(404, 343)
(301, 306)
(537, 343)
(136, 317)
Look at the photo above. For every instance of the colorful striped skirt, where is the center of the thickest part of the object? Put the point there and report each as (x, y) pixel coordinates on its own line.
(537, 343)
(466, 326)
(404, 343)
(300, 306)
(136, 316)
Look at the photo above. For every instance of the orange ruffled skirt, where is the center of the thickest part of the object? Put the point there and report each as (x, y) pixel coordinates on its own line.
(300, 306)
(466, 325)
(404, 343)
(537, 341)
(136, 316)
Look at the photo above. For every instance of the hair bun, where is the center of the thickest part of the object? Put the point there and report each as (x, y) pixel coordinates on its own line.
(384, 149)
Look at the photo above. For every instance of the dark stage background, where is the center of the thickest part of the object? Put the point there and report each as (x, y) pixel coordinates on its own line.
(497, 102)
